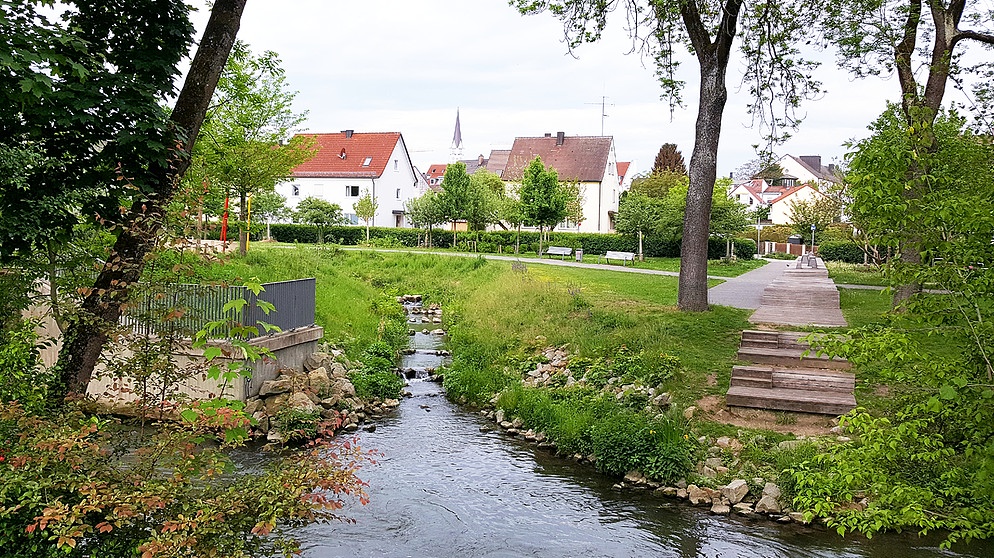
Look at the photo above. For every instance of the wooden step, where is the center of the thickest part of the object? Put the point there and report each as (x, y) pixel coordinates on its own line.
(797, 400)
(790, 358)
(752, 376)
(813, 379)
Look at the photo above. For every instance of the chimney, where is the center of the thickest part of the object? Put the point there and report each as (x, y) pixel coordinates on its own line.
(548, 134)
(832, 169)
(731, 175)
(560, 136)
(348, 133)
(479, 160)
(813, 161)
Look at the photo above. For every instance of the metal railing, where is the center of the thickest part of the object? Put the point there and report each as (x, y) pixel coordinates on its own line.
(183, 309)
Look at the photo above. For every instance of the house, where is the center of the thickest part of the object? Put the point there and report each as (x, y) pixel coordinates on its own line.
(781, 210)
(626, 173)
(498, 161)
(349, 164)
(777, 194)
(808, 168)
(436, 172)
(588, 160)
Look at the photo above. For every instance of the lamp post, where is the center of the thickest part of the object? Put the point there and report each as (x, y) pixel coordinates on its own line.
(812, 238)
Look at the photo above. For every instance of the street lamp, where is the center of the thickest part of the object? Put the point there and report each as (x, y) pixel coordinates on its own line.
(812, 238)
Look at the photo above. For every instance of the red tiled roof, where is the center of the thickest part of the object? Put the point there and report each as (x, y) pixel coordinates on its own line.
(622, 171)
(329, 163)
(498, 160)
(582, 158)
(436, 171)
(790, 191)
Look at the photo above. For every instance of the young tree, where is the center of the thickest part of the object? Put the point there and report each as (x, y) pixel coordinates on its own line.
(365, 209)
(574, 201)
(638, 215)
(481, 207)
(455, 194)
(511, 211)
(269, 205)
(657, 184)
(880, 36)
(426, 211)
(669, 159)
(542, 199)
(318, 212)
(241, 151)
(821, 212)
(775, 73)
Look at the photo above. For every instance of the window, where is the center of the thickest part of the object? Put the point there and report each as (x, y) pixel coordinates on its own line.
(395, 165)
(296, 190)
(351, 218)
(352, 191)
(367, 161)
(398, 193)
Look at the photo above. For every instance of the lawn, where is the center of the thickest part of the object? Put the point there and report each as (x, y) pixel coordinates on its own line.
(856, 274)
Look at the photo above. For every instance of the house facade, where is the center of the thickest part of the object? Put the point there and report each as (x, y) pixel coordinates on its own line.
(588, 160)
(801, 180)
(349, 164)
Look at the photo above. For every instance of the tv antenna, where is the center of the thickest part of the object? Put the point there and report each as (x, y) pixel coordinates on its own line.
(604, 104)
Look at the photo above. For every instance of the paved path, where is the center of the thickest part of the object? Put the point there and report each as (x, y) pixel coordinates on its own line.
(746, 290)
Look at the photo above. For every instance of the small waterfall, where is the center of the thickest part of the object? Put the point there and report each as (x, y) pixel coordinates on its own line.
(424, 353)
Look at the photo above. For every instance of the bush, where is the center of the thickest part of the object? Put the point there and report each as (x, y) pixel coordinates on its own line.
(628, 441)
(376, 385)
(848, 252)
(21, 376)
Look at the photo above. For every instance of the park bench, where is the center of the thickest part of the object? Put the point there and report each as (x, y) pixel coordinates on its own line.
(623, 256)
(558, 251)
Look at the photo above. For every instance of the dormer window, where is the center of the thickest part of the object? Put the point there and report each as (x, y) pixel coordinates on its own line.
(342, 154)
(367, 161)
(296, 190)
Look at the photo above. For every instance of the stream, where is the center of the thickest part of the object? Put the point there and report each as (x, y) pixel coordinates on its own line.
(444, 488)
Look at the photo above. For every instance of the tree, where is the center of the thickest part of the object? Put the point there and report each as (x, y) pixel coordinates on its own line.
(775, 73)
(821, 212)
(543, 201)
(574, 201)
(320, 213)
(426, 211)
(657, 184)
(365, 209)
(669, 159)
(882, 36)
(638, 215)
(455, 194)
(510, 211)
(242, 149)
(269, 205)
(481, 207)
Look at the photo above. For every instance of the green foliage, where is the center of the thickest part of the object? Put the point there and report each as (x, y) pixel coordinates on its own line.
(298, 425)
(658, 184)
(627, 441)
(821, 212)
(21, 376)
(365, 209)
(320, 213)
(542, 196)
(848, 252)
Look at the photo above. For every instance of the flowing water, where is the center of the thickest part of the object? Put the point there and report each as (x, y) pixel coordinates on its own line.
(443, 488)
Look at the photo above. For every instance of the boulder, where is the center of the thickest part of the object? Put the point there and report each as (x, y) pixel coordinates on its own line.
(273, 387)
(697, 495)
(719, 508)
(768, 504)
(276, 403)
(300, 401)
(343, 388)
(253, 405)
(688, 413)
(668, 491)
(635, 477)
(438, 332)
(331, 401)
(319, 380)
(274, 436)
(742, 508)
(517, 423)
(499, 416)
(771, 489)
(318, 360)
(735, 491)
(338, 370)
(798, 517)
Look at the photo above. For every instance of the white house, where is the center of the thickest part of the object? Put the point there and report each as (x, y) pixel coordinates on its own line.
(349, 164)
(589, 160)
(808, 168)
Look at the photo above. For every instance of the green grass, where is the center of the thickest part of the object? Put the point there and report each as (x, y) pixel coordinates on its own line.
(856, 274)
(862, 307)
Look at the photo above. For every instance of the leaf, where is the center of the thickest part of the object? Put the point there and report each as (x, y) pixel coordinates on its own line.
(947, 392)
(210, 353)
(189, 415)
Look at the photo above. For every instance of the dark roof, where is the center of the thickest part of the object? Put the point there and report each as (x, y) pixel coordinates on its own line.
(472, 165)
(581, 158)
(813, 164)
(498, 160)
(328, 161)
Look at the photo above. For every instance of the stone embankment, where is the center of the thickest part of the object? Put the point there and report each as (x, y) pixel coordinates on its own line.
(322, 389)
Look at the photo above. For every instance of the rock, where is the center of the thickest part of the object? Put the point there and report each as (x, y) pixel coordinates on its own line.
(729, 443)
(273, 387)
(768, 504)
(682, 483)
(253, 405)
(735, 491)
(486, 429)
(438, 332)
(263, 421)
(836, 430)
(338, 370)
(301, 402)
(668, 491)
(635, 477)
(329, 414)
(330, 402)
(771, 489)
(274, 436)
(697, 495)
(343, 388)
(391, 403)
(688, 413)
(714, 462)
(789, 444)
(318, 360)
(505, 424)
(370, 428)
(742, 508)
(276, 403)
(798, 517)
(681, 493)
(720, 509)
(517, 423)
(318, 379)
(708, 472)
(844, 439)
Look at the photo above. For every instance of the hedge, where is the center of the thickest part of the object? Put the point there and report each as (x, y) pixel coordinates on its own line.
(848, 252)
(503, 241)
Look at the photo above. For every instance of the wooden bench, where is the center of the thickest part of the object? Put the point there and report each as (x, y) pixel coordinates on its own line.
(623, 256)
(558, 251)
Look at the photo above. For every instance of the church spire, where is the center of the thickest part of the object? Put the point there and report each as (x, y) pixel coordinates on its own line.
(457, 147)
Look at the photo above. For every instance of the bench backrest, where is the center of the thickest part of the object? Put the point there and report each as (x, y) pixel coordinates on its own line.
(558, 250)
(620, 255)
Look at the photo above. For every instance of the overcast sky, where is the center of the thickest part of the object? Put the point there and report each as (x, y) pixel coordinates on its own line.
(405, 66)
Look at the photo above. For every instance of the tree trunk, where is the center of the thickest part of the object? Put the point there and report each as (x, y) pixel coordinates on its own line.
(541, 235)
(101, 308)
(243, 232)
(693, 286)
(641, 253)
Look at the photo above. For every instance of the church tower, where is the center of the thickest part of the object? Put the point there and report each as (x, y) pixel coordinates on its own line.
(455, 151)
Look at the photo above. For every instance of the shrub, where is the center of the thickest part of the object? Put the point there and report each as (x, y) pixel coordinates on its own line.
(376, 385)
(21, 376)
(627, 441)
(848, 252)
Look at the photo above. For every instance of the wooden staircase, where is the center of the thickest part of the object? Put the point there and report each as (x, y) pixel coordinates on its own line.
(781, 377)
